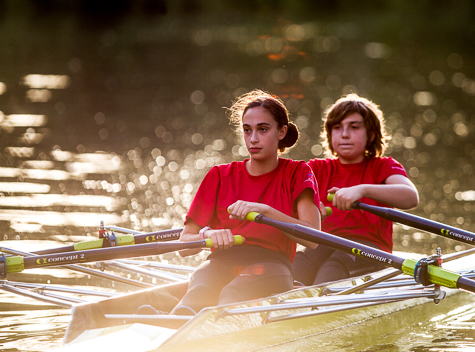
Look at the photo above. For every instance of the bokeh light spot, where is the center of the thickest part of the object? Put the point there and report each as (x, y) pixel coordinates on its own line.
(316, 149)
(455, 61)
(424, 98)
(197, 97)
(197, 139)
(377, 50)
(409, 143)
(461, 129)
(437, 78)
(308, 74)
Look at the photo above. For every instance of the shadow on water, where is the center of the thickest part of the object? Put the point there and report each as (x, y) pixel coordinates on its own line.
(115, 113)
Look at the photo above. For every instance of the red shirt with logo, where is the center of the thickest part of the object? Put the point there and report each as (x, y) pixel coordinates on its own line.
(225, 184)
(356, 224)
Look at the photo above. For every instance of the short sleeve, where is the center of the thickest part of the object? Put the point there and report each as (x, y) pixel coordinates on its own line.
(304, 178)
(203, 207)
(388, 167)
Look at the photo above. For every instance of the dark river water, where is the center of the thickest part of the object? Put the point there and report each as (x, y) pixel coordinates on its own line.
(118, 119)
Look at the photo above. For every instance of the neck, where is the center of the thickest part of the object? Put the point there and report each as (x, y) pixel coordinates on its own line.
(261, 167)
(351, 161)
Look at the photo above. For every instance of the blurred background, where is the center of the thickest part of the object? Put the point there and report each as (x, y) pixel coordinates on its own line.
(115, 110)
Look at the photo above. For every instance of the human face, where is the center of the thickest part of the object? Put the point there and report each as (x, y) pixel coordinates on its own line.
(261, 134)
(349, 139)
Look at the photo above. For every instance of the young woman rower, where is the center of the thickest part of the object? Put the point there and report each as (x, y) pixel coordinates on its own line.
(355, 136)
(281, 189)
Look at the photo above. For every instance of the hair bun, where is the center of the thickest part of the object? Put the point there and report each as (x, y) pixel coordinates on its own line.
(290, 138)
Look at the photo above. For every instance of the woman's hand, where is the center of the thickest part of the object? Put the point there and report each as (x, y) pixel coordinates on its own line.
(222, 239)
(240, 209)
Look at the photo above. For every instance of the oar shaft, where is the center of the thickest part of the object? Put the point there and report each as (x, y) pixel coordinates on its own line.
(17, 264)
(74, 267)
(95, 255)
(122, 240)
(332, 241)
(465, 284)
(437, 275)
(418, 222)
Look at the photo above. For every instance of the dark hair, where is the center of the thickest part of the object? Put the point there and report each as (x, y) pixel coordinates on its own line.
(274, 105)
(372, 118)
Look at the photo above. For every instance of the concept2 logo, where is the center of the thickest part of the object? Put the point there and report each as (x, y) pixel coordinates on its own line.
(451, 234)
(154, 238)
(60, 259)
(364, 254)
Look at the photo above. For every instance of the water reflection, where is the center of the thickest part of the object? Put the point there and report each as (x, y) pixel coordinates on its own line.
(46, 81)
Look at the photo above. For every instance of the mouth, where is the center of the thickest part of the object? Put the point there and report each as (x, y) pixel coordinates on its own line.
(254, 150)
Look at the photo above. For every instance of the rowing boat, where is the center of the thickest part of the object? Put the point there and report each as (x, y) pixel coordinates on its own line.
(140, 321)
(246, 326)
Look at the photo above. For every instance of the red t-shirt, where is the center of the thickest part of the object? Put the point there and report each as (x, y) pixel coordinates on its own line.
(356, 224)
(225, 184)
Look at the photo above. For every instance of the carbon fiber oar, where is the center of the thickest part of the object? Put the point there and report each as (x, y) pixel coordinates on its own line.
(119, 240)
(418, 222)
(18, 263)
(436, 275)
(415, 221)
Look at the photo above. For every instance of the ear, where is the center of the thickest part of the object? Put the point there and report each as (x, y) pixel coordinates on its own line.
(282, 132)
(371, 137)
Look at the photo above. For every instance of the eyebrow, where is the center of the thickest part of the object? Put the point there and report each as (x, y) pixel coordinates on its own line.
(351, 123)
(259, 124)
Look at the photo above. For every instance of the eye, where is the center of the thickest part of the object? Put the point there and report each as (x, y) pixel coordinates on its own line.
(336, 127)
(263, 129)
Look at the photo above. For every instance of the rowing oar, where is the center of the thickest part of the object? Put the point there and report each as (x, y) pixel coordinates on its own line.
(117, 240)
(14, 264)
(436, 275)
(416, 222)
(83, 270)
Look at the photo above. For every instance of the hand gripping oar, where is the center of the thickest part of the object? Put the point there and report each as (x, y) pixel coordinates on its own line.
(18, 263)
(436, 274)
(416, 222)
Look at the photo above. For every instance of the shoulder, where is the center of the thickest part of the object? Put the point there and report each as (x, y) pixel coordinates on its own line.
(386, 166)
(322, 164)
(324, 161)
(230, 168)
(293, 165)
(220, 172)
(386, 161)
(297, 171)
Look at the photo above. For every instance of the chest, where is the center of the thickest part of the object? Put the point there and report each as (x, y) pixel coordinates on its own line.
(346, 177)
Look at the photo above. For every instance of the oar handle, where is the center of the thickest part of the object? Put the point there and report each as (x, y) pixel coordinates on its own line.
(237, 240)
(331, 196)
(252, 216)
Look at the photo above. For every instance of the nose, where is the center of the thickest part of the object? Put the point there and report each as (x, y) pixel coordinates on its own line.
(254, 137)
(346, 132)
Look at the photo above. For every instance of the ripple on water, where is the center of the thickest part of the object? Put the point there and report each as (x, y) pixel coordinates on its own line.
(33, 330)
